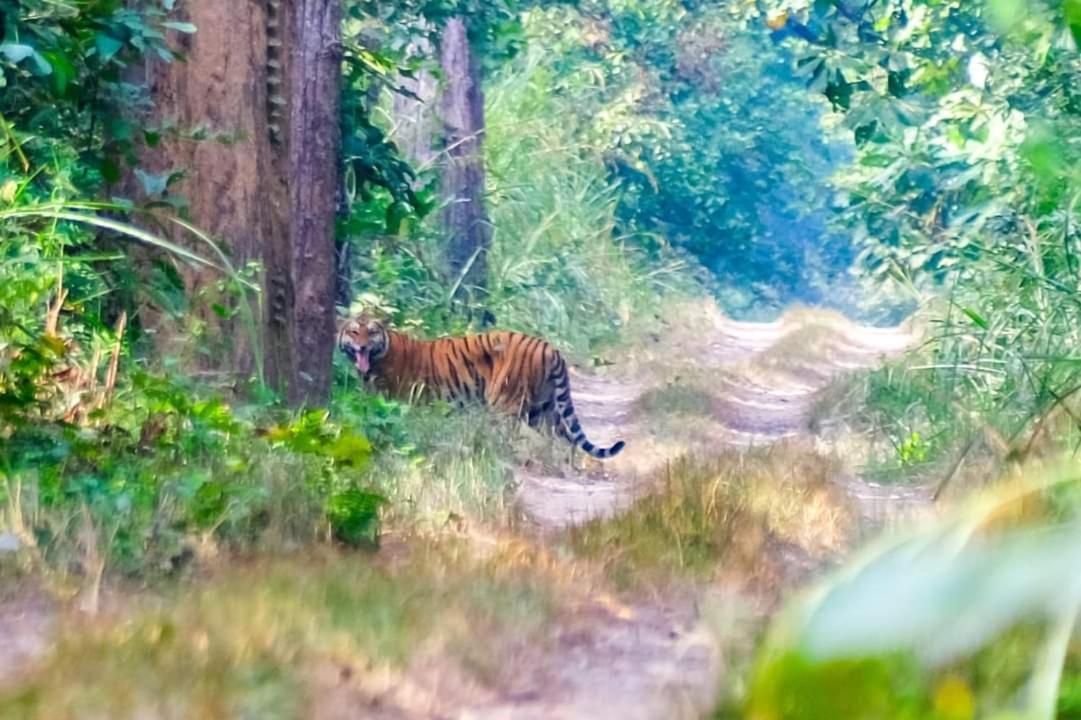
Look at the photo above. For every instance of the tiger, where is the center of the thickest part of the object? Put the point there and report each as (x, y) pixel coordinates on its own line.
(510, 372)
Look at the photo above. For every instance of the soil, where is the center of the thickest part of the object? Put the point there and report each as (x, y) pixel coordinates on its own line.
(663, 662)
(645, 658)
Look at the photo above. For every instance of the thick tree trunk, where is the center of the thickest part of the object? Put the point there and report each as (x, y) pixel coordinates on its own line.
(468, 229)
(220, 89)
(314, 154)
(265, 73)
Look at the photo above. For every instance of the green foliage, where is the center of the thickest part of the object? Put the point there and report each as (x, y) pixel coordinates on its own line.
(556, 266)
(964, 187)
(378, 179)
(158, 465)
(970, 612)
(494, 25)
(62, 75)
(792, 687)
(714, 144)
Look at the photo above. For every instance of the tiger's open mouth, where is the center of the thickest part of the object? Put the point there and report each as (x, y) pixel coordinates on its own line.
(360, 359)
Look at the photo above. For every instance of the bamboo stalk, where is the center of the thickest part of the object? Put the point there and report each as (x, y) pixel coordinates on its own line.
(114, 360)
(52, 312)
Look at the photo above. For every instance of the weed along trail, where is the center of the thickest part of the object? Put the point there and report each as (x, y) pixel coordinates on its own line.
(719, 384)
(625, 590)
(732, 394)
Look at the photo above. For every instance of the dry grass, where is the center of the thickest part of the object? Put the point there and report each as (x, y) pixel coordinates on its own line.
(463, 470)
(678, 397)
(738, 516)
(256, 641)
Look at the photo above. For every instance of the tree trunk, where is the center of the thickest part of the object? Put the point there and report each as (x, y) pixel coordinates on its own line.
(465, 220)
(314, 154)
(264, 74)
(220, 89)
(416, 117)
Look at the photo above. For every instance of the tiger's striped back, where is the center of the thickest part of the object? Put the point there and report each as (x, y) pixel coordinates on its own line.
(508, 371)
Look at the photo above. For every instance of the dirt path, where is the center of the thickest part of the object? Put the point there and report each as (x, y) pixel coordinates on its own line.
(767, 392)
(660, 663)
(649, 659)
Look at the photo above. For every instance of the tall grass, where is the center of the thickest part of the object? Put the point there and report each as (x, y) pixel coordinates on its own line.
(557, 266)
(999, 376)
(736, 516)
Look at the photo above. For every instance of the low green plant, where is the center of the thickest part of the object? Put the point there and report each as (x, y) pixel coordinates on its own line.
(971, 616)
(160, 467)
(432, 462)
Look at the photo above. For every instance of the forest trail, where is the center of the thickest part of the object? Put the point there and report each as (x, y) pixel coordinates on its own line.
(653, 662)
(642, 656)
(767, 378)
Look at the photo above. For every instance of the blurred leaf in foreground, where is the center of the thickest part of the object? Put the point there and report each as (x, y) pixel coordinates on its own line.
(906, 629)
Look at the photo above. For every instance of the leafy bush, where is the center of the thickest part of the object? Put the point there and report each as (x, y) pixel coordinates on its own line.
(964, 193)
(158, 468)
(969, 614)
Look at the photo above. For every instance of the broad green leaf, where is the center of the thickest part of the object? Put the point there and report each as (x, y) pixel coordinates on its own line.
(62, 69)
(107, 46)
(1071, 9)
(183, 27)
(15, 52)
(153, 185)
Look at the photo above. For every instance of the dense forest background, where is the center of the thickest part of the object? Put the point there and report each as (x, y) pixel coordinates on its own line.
(194, 192)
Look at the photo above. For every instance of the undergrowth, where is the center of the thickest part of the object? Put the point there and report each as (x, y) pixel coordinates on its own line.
(160, 469)
(253, 642)
(727, 516)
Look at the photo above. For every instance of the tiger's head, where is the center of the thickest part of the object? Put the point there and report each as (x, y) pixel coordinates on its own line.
(363, 340)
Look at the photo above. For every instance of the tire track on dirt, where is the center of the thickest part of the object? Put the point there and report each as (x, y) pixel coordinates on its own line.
(760, 400)
(664, 664)
(649, 659)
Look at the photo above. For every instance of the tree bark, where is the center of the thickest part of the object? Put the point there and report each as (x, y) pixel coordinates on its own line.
(266, 74)
(314, 154)
(465, 219)
(221, 90)
(415, 117)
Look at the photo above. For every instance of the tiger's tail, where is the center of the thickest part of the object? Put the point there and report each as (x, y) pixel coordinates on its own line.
(566, 420)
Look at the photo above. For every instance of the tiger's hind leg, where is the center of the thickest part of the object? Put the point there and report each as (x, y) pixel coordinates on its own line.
(561, 431)
(541, 418)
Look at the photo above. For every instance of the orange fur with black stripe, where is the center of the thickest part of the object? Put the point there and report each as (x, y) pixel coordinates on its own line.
(507, 371)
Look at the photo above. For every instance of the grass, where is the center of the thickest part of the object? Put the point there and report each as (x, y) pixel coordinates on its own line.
(722, 517)
(253, 642)
(910, 431)
(556, 265)
(460, 466)
(676, 399)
